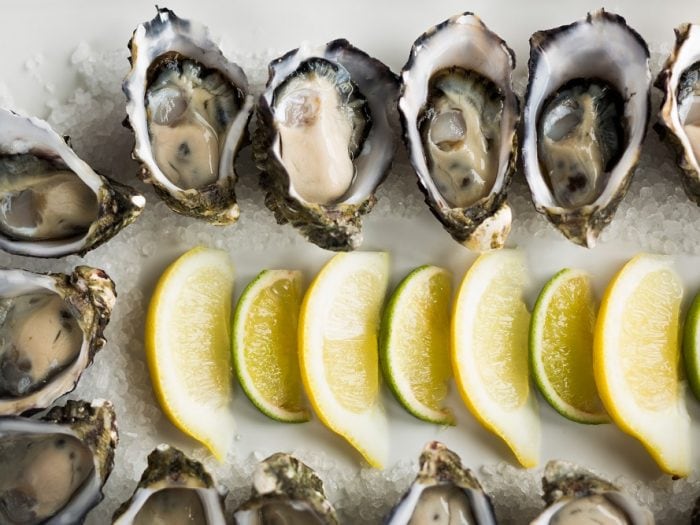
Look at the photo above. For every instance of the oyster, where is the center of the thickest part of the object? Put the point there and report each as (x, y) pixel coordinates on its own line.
(53, 468)
(575, 496)
(286, 491)
(459, 116)
(51, 202)
(680, 110)
(189, 109)
(51, 327)
(325, 140)
(173, 489)
(443, 492)
(586, 113)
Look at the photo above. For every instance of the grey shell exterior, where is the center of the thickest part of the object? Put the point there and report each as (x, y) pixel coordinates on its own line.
(689, 176)
(282, 477)
(566, 480)
(335, 227)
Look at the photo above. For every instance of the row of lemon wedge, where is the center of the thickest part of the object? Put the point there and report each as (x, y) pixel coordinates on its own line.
(623, 364)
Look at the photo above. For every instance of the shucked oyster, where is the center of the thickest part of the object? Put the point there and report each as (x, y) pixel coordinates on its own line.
(53, 469)
(51, 327)
(576, 497)
(325, 140)
(443, 492)
(585, 117)
(459, 115)
(680, 109)
(173, 490)
(189, 109)
(51, 202)
(286, 491)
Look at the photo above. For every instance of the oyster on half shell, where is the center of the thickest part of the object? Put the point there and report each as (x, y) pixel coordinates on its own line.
(325, 139)
(174, 489)
(51, 327)
(443, 492)
(680, 110)
(575, 496)
(51, 202)
(459, 116)
(287, 491)
(188, 107)
(586, 113)
(53, 468)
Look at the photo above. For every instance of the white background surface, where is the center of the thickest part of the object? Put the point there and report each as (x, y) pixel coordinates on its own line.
(49, 32)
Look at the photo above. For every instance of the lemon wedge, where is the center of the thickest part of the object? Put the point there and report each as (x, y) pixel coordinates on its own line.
(339, 360)
(490, 324)
(636, 359)
(188, 346)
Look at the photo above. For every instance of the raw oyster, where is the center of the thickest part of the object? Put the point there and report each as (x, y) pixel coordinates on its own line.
(443, 492)
(189, 109)
(680, 110)
(173, 489)
(51, 202)
(53, 468)
(286, 491)
(51, 327)
(325, 140)
(586, 113)
(575, 496)
(459, 116)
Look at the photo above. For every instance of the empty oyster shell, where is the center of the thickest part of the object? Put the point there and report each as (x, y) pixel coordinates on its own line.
(51, 202)
(53, 468)
(173, 489)
(680, 110)
(51, 327)
(325, 140)
(285, 490)
(586, 113)
(459, 116)
(574, 495)
(443, 492)
(189, 109)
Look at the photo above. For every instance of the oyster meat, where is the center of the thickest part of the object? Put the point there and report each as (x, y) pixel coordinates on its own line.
(325, 140)
(189, 109)
(287, 491)
(459, 116)
(586, 113)
(680, 110)
(575, 496)
(174, 490)
(51, 202)
(54, 468)
(51, 327)
(443, 492)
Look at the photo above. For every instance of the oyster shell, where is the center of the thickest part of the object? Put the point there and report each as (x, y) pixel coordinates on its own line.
(443, 492)
(51, 202)
(680, 110)
(189, 109)
(325, 139)
(586, 113)
(573, 495)
(54, 468)
(459, 116)
(173, 488)
(285, 490)
(51, 327)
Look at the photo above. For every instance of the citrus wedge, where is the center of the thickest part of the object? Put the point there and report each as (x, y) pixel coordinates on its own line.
(265, 345)
(691, 346)
(415, 343)
(188, 346)
(636, 359)
(490, 324)
(338, 328)
(561, 347)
